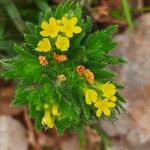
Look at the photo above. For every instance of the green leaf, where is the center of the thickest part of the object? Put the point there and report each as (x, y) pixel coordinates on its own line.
(88, 25)
(38, 121)
(69, 8)
(77, 11)
(20, 98)
(30, 27)
(63, 8)
(86, 28)
(1, 30)
(34, 104)
(94, 63)
(7, 45)
(7, 63)
(31, 40)
(120, 98)
(102, 74)
(107, 59)
(23, 53)
(27, 68)
(77, 40)
(99, 43)
(70, 113)
(120, 107)
(85, 108)
(61, 125)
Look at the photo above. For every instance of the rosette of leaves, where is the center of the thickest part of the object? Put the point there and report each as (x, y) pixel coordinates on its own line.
(62, 77)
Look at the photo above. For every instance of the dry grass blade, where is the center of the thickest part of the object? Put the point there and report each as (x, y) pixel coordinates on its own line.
(14, 14)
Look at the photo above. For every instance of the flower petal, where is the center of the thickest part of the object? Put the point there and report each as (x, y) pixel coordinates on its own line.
(88, 101)
(113, 98)
(111, 104)
(109, 89)
(107, 111)
(53, 34)
(77, 29)
(64, 20)
(90, 96)
(98, 112)
(44, 45)
(38, 49)
(55, 110)
(44, 33)
(48, 119)
(44, 25)
(52, 21)
(73, 21)
(50, 122)
(62, 43)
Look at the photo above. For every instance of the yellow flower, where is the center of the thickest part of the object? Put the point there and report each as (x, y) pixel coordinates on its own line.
(48, 119)
(50, 115)
(104, 107)
(44, 45)
(69, 26)
(90, 96)
(54, 110)
(50, 28)
(62, 43)
(109, 90)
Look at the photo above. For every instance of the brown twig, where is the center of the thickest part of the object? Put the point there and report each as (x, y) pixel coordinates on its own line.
(31, 133)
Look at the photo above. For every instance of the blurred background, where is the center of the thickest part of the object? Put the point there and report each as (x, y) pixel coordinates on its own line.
(132, 130)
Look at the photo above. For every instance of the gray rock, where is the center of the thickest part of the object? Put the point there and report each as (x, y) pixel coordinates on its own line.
(134, 126)
(12, 134)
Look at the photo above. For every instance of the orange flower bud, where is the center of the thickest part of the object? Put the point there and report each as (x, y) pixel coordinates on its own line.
(61, 77)
(80, 69)
(43, 60)
(60, 58)
(89, 76)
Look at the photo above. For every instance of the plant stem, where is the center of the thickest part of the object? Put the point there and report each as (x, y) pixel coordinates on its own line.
(82, 139)
(141, 9)
(127, 14)
(106, 142)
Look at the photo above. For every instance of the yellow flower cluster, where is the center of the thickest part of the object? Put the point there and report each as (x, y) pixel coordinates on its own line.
(51, 113)
(59, 32)
(103, 102)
